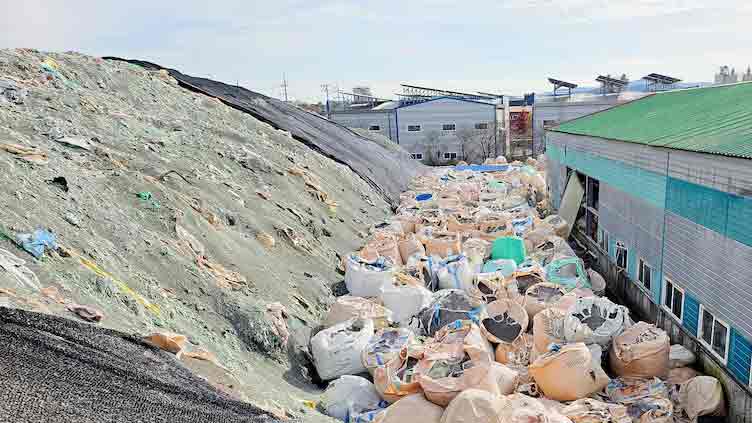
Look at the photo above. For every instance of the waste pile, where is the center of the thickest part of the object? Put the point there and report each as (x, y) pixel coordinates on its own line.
(132, 203)
(468, 306)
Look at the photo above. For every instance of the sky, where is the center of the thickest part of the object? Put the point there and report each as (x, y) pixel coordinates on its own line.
(499, 46)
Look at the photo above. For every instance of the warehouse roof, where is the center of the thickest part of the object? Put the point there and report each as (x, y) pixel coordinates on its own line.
(714, 120)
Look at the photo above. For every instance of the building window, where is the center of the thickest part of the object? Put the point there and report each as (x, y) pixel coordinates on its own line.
(413, 128)
(450, 156)
(714, 333)
(549, 124)
(673, 299)
(448, 127)
(592, 192)
(603, 240)
(621, 255)
(416, 156)
(481, 125)
(644, 273)
(374, 128)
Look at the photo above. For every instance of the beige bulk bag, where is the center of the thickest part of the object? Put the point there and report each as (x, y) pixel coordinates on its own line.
(443, 244)
(461, 223)
(558, 223)
(597, 282)
(385, 346)
(398, 378)
(516, 354)
(680, 375)
(506, 322)
(477, 251)
(410, 408)
(541, 296)
(489, 287)
(702, 396)
(641, 351)
(348, 307)
(473, 406)
(657, 410)
(408, 222)
(459, 338)
(588, 410)
(567, 373)
(440, 387)
(386, 247)
(680, 356)
(410, 246)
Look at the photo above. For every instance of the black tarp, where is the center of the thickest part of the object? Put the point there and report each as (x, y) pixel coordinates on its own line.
(58, 370)
(387, 170)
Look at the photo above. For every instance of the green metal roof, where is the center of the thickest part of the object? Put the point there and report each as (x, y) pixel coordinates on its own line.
(714, 120)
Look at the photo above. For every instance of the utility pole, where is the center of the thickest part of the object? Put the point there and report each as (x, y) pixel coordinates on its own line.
(284, 86)
(325, 89)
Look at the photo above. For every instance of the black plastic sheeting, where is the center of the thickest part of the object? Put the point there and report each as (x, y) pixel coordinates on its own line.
(57, 370)
(388, 171)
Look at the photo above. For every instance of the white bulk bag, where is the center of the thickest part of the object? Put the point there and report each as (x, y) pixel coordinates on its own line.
(455, 272)
(679, 356)
(405, 301)
(602, 317)
(337, 350)
(367, 279)
(349, 396)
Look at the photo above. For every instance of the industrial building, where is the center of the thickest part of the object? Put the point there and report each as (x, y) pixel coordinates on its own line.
(661, 188)
(435, 126)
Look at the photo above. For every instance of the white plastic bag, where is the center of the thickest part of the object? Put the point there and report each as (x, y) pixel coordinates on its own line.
(349, 396)
(337, 350)
(367, 279)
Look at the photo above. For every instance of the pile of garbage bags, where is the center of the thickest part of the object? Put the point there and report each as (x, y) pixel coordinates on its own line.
(468, 306)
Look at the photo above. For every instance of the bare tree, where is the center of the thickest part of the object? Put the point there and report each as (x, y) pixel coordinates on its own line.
(465, 137)
(431, 147)
(486, 144)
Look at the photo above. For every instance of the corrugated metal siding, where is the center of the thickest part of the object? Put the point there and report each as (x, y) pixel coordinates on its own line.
(702, 205)
(691, 316)
(714, 269)
(740, 356)
(727, 174)
(739, 223)
(638, 182)
(641, 156)
(562, 112)
(364, 120)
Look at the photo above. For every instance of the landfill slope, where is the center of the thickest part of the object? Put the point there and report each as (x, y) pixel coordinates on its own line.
(387, 170)
(174, 213)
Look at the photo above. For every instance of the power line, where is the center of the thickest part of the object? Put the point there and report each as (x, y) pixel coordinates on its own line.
(284, 86)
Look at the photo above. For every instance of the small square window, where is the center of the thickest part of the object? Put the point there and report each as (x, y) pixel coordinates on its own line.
(450, 156)
(603, 240)
(416, 156)
(448, 127)
(644, 273)
(374, 128)
(413, 128)
(481, 125)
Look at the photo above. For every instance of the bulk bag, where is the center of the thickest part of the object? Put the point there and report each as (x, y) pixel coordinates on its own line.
(680, 356)
(506, 322)
(336, 350)
(555, 326)
(566, 373)
(588, 410)
(443, 244)
(412, 407)
(597, 283)
(629, 390)
(509, 247)
(461, 223)
(398, 377)
(505, 267)
(348, 307)
(408, 222)
(702, 396)
(405, 300)
(348, 396)
(558, 223)
(522, 226)
(386, 246)
(385, 346)
(641, 351)
(568, 272)
(541, 296)
(454, 272)
(603, 319)
(442, 383)
(516, 354)
(410, 246)
(367, 278)
(448, 306)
